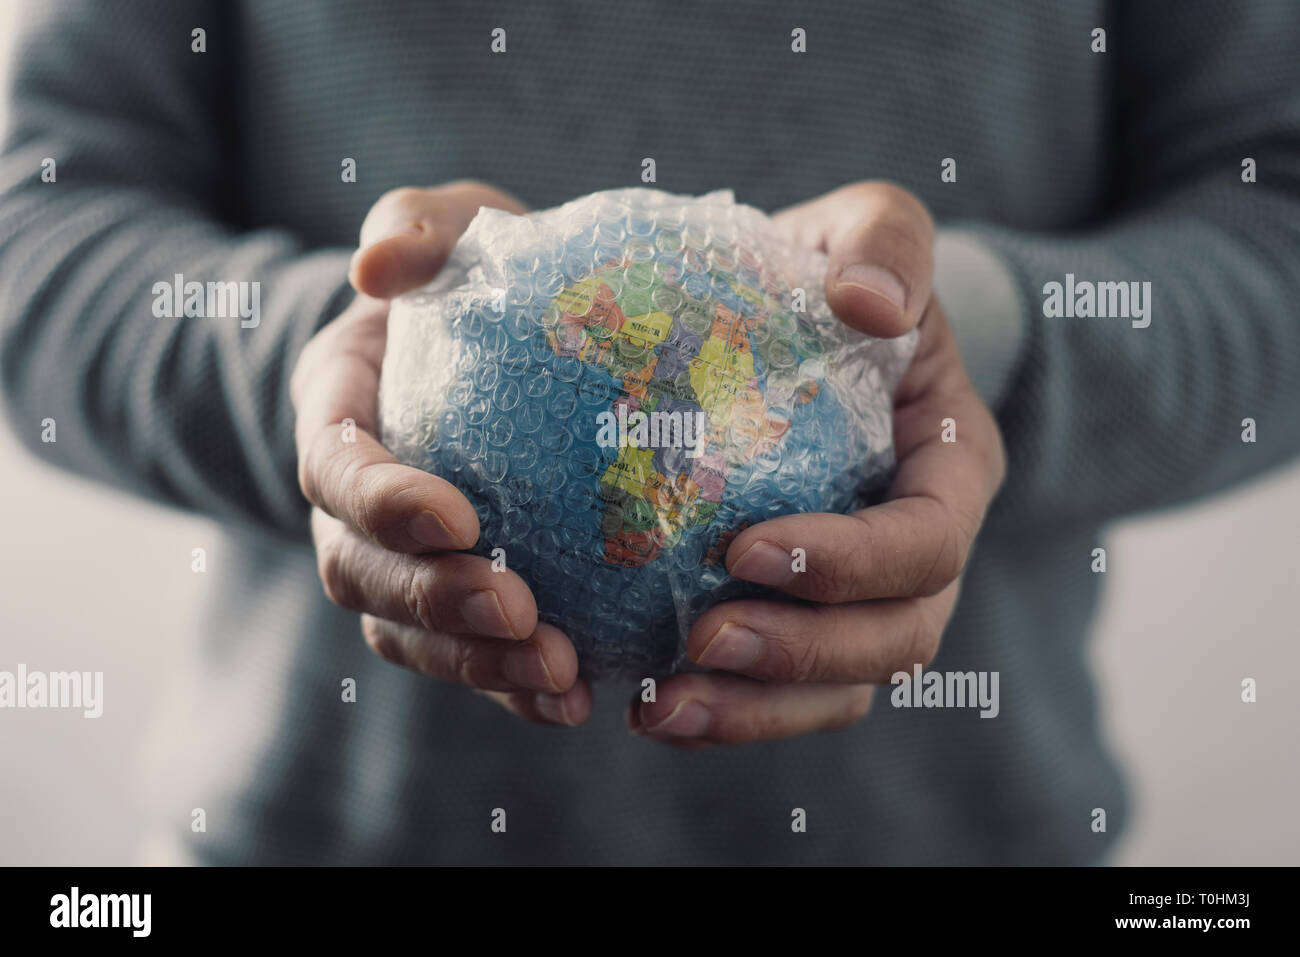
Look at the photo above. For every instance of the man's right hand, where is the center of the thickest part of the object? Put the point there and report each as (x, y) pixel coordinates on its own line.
(390, 539)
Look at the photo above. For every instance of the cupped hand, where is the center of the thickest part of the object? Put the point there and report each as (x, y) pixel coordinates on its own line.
(882, 581)
(390, 539)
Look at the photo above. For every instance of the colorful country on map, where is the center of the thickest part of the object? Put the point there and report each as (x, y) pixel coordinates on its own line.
(671, 351)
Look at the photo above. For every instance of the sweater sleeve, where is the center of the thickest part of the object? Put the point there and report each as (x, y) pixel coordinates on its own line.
(192, 411)
(1103, 417)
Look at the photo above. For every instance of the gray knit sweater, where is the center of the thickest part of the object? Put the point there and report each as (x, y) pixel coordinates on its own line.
(1123, 165)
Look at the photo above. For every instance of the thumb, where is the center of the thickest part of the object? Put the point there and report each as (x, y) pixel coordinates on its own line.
(409, 233)
(880, 242)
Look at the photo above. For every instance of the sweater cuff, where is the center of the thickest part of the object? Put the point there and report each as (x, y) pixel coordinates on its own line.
(984, 308)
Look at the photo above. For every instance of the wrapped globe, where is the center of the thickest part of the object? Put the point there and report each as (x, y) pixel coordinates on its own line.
(622, 384)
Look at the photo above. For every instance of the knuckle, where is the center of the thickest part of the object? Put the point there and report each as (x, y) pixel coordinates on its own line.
(467, 665)
(751, 721)
(852, 709)
(838, 581)
(865, 189)
(371, 509)
(782, 655)
(948, 559)
(307, 482)
(335, 575)
(808, 660)
(311, 465)
(401, 198)
(381, 640)
(895, 196)
(924, 639)
(909, 245)
(762, 725)
(416, 588)
(952, 555)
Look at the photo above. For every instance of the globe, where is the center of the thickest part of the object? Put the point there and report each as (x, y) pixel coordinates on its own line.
(620, 386)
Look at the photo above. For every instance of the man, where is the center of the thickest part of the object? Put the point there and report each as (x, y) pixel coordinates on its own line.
(1046, 152)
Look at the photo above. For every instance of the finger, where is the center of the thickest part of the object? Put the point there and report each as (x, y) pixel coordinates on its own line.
(569, 708)
(879, 238)
(343, 469)
(346, 472)
(409, 233)
(545, 662)
(726, 709)
(917, 541)
(862, 642)
(910, 546)
(445, 592)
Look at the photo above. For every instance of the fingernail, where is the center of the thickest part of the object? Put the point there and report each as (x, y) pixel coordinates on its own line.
(690, 719)
(551, 707)
(428, 529)
(764, 564)
(525, 667)
(732, 648)
(873, 279)
(483, 613)
(414, 227)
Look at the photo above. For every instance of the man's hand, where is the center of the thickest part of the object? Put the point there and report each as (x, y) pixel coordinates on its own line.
(885, 578)
(389, 538)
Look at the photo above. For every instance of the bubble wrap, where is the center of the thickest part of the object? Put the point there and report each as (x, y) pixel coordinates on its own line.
(522, 373)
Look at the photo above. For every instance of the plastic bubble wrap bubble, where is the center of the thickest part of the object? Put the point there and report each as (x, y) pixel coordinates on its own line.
(619, 386)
